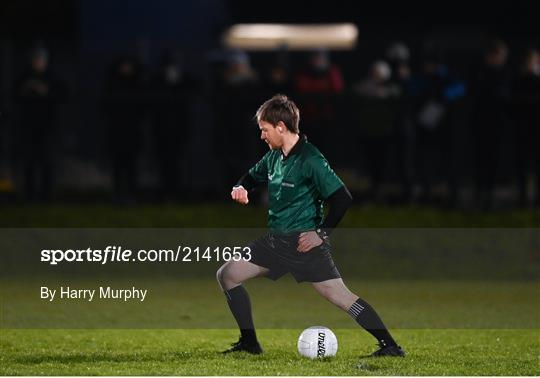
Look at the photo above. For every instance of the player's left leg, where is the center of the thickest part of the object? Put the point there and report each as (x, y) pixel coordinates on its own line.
(335, 291)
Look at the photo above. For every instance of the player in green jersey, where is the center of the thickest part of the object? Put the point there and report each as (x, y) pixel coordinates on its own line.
(300, 181)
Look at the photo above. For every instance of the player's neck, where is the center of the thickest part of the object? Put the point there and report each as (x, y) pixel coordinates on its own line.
(289, 141)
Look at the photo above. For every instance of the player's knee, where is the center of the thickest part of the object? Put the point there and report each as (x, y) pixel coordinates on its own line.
(225, 278)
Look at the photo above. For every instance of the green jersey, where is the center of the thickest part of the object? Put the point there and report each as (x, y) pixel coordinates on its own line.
(297, 186)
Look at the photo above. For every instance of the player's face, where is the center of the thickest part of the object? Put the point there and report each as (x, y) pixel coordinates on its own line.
(271, 135)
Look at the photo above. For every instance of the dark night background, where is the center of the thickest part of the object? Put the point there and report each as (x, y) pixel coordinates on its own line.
(85, 37)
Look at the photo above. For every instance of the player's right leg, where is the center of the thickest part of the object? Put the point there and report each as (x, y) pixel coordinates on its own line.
(230, 277)
(335, 291)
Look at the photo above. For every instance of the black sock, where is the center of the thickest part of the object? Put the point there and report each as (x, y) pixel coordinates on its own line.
(366, 316)
(240, 305)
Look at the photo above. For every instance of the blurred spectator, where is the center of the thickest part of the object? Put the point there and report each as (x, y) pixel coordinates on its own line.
(237, 138)
(435, 91)
(316, 84)
(377, 84)
(279, 76)
(526, 95)
(376, 121)
(37, 93)
(169, 99)
(398, 56)
(429, 115)
(398, 53)
(5, 182)
(239, 71)
(320, 76)
(491, 91)
(124, 109)
(279, 79)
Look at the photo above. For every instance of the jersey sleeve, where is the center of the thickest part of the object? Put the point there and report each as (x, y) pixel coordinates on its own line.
(325, 179)
(259, 172)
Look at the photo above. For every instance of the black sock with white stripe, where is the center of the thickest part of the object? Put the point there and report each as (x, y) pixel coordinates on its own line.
(240, 305)
(366, 316)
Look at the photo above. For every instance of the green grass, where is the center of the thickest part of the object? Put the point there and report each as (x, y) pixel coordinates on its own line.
(196, 352)
(183, 303)
(447, 328)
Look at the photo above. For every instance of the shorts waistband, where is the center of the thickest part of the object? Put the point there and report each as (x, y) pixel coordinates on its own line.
(286, 236)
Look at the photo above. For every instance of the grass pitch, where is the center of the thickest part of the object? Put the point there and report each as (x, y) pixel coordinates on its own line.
(196, 352)
(488, 328)
(451, 331)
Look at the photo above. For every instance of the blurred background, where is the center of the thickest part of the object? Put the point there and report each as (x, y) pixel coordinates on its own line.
(137, 102)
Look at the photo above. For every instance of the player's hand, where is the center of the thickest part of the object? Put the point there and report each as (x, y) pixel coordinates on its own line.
(308, 240)
(240, 195)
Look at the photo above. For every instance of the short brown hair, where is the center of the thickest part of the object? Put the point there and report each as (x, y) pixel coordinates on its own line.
(280, 108)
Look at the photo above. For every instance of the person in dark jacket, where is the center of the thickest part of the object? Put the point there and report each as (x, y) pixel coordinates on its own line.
(124, 111)
(491, 92)
(169, 99)
(526, 97)
(37, 95)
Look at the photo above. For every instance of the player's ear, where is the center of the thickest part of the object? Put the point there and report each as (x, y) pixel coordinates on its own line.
(280, 126)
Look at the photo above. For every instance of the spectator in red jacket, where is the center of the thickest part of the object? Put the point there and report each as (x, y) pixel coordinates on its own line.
(320, 76)
(316, 86)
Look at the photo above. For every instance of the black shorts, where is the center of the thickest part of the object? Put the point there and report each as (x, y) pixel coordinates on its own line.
(280, 256)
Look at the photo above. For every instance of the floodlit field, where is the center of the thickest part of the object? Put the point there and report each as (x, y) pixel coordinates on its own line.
(196, 352)
(460, 328)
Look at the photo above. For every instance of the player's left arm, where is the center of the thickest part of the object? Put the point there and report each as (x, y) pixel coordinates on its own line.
(339, 202)
(336, 195)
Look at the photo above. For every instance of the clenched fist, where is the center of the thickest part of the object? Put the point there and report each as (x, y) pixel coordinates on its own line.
(240, 195)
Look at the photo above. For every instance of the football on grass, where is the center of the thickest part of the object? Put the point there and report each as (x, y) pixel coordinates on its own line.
(317, 342)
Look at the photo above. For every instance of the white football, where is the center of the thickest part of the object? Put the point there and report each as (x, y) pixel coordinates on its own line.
(317, 342)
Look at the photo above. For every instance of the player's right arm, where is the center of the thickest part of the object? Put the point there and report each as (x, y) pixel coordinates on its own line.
(257, 175)
(240, 195)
